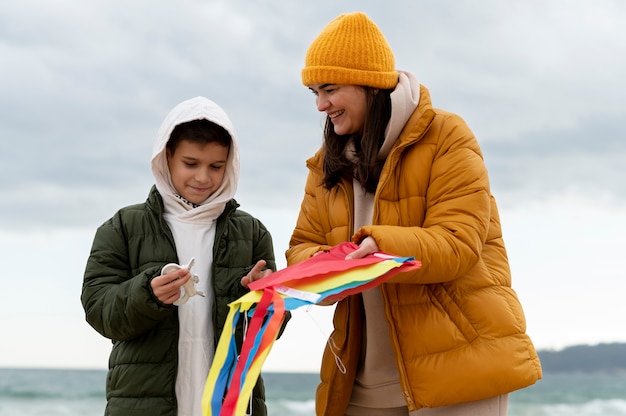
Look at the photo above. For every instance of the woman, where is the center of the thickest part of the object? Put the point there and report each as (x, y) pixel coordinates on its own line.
(395, 174)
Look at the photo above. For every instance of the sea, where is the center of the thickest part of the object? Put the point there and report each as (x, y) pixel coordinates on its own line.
(57, 392)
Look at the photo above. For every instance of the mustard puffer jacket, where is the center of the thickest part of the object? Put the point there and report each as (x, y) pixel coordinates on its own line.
(457, 328)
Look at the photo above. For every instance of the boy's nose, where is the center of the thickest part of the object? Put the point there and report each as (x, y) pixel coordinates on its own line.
(203, 176)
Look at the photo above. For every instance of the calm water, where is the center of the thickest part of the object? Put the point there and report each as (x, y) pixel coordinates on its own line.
(26, 392)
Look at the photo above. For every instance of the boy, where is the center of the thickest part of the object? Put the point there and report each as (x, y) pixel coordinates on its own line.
(164, 343)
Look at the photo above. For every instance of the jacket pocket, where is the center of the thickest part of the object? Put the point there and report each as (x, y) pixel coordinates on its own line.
(453, 311)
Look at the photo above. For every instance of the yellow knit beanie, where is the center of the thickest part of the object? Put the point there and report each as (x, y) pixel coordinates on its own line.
(350, 50)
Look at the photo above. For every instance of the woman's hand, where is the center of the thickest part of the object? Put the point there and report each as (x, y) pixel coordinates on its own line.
(367, 246)
(167, 286)
(256, 273)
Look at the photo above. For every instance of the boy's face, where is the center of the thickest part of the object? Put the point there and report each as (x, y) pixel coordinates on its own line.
(197, 170)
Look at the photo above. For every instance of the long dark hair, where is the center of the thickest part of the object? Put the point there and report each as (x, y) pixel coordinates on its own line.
(366, 145)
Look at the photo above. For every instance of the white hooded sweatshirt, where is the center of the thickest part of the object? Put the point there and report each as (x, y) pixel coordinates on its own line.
(193, 228)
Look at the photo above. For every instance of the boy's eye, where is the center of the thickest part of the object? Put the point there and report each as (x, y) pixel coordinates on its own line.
(190, 164)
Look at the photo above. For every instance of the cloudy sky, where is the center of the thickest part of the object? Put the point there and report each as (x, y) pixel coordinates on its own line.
(85, 85)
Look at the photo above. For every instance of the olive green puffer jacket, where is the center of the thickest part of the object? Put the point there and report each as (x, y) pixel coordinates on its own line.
(128, 251)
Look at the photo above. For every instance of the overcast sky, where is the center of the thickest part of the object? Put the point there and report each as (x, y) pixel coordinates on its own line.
(84, 87)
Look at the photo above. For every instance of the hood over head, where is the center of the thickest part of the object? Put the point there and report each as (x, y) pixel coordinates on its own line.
(197, 108)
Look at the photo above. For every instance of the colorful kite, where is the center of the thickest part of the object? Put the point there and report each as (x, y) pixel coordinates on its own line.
(324, 277)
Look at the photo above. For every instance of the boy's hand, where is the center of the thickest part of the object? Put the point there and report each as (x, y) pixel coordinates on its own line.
(167, 286)
(256, 273)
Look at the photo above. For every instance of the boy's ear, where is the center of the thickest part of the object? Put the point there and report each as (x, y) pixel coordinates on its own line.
(168, 154)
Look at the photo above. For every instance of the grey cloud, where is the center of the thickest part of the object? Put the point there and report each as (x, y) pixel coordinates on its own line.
(83, 93)
(588, 159)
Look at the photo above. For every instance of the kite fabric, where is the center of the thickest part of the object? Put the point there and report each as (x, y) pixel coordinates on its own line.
(326, 276)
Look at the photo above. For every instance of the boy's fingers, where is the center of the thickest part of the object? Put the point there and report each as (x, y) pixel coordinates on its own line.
(258, 267)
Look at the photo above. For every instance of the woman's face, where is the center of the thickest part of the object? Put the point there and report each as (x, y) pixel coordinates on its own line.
(345, 105)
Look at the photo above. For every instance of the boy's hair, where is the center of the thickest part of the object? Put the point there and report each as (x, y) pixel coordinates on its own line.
(198, 131)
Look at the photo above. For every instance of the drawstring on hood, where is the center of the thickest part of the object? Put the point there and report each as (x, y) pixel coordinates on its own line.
(197, 108)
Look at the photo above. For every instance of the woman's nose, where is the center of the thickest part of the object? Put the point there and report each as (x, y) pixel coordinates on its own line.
(322, 103)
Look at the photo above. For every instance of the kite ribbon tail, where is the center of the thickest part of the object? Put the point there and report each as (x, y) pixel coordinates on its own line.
(270, 333)
(217, 380)
(234, 389)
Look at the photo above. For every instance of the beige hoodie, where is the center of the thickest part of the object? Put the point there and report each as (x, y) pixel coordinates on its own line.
(377, 384)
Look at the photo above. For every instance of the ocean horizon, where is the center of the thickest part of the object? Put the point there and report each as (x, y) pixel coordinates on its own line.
(74, 392)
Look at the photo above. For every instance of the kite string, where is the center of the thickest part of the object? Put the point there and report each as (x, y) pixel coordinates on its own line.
(245, 331)
(330, 342)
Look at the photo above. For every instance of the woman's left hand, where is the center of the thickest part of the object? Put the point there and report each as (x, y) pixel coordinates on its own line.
(368, 246)
(256, 273)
